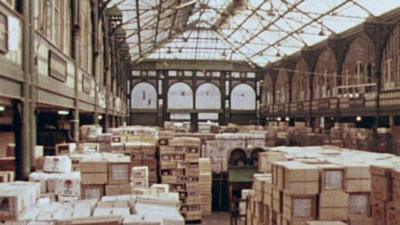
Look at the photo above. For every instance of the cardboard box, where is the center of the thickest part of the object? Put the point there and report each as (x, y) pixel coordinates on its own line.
(94, 178)
(299, 208)
(379, 212)
(359, 204)
(57, 164)
(117, 189)
(392, 214)
(92, 191)
(68, 184)
(94, 166)
(382, 188)
(332, 177)
(333, 205)
(119, 170)
(106, 220)
(357, 178)
(66, 148)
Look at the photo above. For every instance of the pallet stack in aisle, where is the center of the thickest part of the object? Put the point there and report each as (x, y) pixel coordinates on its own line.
(329, 184)
(94, 172)
(205, 183)
(144, 154)
(385, 194)
(179, 167)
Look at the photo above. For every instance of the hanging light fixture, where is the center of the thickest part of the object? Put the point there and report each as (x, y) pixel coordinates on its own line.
(271, 10)
(278, 54)
(322, 33)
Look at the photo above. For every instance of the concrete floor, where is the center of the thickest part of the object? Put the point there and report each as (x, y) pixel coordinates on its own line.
(218, 218)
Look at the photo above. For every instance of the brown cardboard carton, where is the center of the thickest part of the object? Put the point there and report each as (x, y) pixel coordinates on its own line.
(92, 191)
(117, 189)
(359, 204)
(392, 214)
(333, 205)
(94, 166)
(379, 212)
(119, 171)
(109, 220)
(94, 178)
(332, 177)
(299, 208)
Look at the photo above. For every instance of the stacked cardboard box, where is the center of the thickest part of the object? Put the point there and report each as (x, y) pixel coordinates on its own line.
(21, 205)
(385, 193)
(144, 154)
(57, 178)
(205, 183)
(94, 172)
(140, 177)
(17, 198)
(180, 168)
(119, 174)
(295, 191)
(329, 184)
(165, 136)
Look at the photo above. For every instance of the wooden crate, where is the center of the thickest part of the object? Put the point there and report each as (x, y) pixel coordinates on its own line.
(92, 191)
(299, 207)
(333, 205)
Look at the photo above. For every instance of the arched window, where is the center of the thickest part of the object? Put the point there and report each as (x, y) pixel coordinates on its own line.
(243, 97)
(144, 96)
(180, 96)
(208, 96)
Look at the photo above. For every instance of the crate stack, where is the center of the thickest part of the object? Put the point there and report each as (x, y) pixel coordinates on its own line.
(139, 177)
(179, 167)
(329, 184)
(144, 154)
(295, 189)
(94, 172)
(17, 198)
(261, 206)
(57, 180)
(104, 174)
(385, 194)
(119, 174)
(205, 183)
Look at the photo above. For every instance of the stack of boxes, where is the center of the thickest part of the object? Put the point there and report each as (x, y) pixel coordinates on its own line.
(179, 167)
(119, 174)
(385, 194)
(94, 177)
(143, 154)
(17, 198)
(327, 184)
(57, 180)
(295, 191)
(140, 177)
(205, 183)
(104, 174)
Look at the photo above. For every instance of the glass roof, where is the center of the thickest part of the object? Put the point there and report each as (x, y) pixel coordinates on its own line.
(256, 31)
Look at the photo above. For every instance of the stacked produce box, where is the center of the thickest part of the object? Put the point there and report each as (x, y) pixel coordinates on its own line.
(21, 204)
(385, 194)
(325, 184)
(179, 167)
(205, 182)
(57, 180)
(144, 154)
